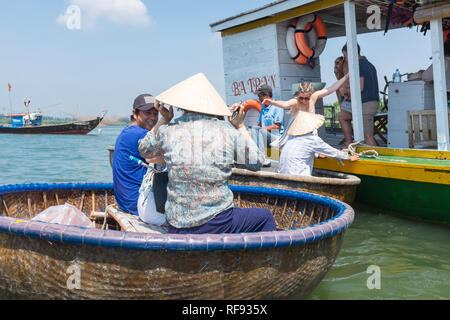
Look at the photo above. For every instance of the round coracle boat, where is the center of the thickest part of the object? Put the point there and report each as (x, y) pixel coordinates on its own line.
(42, 260)
(337, 185)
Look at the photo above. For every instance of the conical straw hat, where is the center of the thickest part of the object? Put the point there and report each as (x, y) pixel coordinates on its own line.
(195, 94)
(305, 122)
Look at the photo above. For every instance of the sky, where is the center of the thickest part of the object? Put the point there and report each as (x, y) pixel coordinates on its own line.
(127, 47)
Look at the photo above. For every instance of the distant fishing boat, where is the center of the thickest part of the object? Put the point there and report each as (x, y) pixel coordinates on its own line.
(31, 123)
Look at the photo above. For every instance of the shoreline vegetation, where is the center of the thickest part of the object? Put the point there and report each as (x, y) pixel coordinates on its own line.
(5, 120)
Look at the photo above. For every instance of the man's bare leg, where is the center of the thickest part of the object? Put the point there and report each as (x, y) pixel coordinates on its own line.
(346, 126)
(370, 140)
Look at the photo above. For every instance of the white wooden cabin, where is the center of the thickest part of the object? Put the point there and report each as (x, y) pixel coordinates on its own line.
(255, 52)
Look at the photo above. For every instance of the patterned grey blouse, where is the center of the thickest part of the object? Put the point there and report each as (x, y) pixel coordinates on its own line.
(199, 151)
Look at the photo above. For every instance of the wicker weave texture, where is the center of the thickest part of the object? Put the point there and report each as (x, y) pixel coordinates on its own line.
(338, 186)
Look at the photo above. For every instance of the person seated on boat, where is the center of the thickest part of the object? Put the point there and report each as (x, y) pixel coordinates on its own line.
(427, 75)
(298, 152)
(270, 123)
(128, 175)
(199, 150)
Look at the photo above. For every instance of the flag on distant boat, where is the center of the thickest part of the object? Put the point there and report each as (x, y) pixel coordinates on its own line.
(9, 86)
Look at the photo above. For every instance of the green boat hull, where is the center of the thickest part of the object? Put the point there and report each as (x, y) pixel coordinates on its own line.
(417, 200)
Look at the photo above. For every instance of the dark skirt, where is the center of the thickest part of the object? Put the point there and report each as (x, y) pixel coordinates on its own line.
(234, 220)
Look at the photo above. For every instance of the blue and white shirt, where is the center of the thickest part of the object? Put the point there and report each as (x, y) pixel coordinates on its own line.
(270, 115)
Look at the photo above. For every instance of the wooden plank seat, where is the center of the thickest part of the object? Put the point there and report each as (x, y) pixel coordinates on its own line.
(131, 222)
(422, 128)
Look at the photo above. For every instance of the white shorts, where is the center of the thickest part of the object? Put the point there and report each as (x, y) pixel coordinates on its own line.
(147, 210)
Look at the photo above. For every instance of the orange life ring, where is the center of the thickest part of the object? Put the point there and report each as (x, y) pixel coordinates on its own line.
(319, 25)
(303, 26)
(293, 50)
(249, 104)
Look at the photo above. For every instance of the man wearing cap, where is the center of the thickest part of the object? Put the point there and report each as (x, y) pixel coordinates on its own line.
(270, 124)
(127, 174)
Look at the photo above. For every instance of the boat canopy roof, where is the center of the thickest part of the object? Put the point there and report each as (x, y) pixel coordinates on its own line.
(331, 12)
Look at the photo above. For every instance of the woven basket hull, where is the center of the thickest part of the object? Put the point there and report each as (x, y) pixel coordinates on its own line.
(44, 261)
(38, 269)
(328, 183)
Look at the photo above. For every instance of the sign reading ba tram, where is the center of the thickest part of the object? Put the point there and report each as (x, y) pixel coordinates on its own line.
(241, 87)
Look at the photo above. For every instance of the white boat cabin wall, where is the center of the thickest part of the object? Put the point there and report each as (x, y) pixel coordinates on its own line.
(260, 56)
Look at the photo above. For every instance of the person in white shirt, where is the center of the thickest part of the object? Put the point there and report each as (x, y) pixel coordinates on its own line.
(298, 151)
(299, 142)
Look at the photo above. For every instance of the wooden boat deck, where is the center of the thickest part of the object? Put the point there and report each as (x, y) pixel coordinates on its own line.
(334, 136)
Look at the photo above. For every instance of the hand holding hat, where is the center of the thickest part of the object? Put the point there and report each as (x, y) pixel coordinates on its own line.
(238, 121)
(166, 114)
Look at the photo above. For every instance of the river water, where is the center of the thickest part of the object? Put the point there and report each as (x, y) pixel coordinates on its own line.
(383, 256)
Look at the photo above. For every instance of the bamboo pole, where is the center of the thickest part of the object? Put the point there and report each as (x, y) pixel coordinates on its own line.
(292, 215)
(303, 215)
(93, 201)
(104, 220)
(312, 214)
(29, 205)
(98, 215)
(285, 206)
(45, 200)
(82, 200)
(275, 205)
(319, 215)
(6, 207)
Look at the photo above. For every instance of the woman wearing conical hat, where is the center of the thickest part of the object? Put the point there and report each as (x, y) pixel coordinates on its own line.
(300, 141)
(305, 100)
(199, 150)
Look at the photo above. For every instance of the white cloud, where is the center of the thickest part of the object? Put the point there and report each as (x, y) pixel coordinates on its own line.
(131, 12)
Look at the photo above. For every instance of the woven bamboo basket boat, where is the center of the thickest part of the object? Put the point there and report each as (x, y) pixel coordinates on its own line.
(337, 185)
(38, 260)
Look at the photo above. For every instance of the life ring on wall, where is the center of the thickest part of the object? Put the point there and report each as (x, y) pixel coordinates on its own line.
(308, 40)
(292, 47)
(249, 104)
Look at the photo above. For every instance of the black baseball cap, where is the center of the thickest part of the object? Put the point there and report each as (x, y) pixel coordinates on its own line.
(265, 90)
(144, 102)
